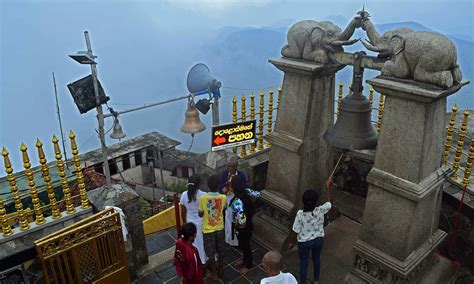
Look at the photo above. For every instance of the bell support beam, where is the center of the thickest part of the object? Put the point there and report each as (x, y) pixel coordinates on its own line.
(369, 62)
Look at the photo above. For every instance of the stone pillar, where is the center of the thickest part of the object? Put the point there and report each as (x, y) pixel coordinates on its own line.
(399, 233)
(122, 196)
(299, 155)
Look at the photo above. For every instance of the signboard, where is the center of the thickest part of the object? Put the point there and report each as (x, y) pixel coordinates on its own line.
(233, 135)
(13, 275)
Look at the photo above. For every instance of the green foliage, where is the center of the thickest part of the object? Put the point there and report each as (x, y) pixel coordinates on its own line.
(177, 186)
(146, 208)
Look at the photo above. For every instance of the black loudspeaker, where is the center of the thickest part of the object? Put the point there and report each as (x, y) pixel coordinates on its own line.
(83, 94)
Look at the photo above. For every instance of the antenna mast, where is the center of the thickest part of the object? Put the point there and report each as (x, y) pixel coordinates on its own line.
(60, 123)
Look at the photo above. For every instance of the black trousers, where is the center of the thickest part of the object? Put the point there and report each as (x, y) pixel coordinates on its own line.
(244, 236)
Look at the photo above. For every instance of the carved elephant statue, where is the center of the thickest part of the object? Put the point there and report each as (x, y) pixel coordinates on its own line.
(426, 57)
(315, 41)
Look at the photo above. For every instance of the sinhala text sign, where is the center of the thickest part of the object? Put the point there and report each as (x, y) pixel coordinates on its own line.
(233, 135)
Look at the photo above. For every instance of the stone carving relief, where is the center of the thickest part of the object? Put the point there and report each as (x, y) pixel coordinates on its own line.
(316, 41)
(276, 215)
(375, 273)
(426, 57)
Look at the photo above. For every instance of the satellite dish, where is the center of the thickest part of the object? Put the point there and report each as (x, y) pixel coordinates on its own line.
(200, 81)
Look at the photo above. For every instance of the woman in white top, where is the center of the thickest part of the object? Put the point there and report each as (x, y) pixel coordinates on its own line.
(308, 226)
(189, 211)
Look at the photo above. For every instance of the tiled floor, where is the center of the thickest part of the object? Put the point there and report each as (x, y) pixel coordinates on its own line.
(167, 272)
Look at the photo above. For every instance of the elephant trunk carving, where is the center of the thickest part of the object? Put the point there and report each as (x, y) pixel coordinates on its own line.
(425, 57)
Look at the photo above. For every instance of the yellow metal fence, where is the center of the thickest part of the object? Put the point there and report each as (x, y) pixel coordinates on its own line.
(89, 251)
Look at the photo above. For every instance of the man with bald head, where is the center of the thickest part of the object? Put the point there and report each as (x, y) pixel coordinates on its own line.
(272, 266)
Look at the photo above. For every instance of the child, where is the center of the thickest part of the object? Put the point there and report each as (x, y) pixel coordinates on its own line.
(189, 211)
(242, 212)
(309, 227)
(186, 257)
(211, 209)
(230, 236)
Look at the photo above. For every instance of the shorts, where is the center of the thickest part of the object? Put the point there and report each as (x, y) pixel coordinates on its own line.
(214, 243)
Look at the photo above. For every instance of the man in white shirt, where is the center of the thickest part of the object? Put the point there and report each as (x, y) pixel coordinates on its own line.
(272, 266)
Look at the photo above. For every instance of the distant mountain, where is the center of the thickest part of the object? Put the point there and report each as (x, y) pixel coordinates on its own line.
(412, 25)
(240, 56)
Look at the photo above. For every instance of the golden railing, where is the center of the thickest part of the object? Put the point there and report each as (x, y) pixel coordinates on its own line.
(17, 195)
(264, 125)
(89, 251)
(461, 155)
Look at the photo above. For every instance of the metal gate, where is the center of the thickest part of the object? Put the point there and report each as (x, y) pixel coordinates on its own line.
(89, 251)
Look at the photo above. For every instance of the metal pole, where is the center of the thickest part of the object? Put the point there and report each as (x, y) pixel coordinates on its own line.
(100, 114)
(152, 168)
(161, 171)
(147, 106)
(60, 123)
(215, 111)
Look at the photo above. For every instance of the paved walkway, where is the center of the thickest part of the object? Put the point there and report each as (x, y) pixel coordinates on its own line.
(166, 273)
(337, 257)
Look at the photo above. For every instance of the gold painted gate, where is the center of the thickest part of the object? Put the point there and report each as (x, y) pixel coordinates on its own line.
(89, 251)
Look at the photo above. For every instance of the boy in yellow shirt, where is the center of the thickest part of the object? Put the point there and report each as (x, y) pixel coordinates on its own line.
(211, 209)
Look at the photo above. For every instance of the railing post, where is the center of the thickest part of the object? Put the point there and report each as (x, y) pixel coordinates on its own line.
(468, 169)
(56, 214)
(6, 230)
(380, 114)
(270, 114)
(39, 218)
(177, 214)
(371, 97)
(339, 97)
(460, 145)
(252, 116)
(79, 175)
(279, 97)
(449, 134)
(234, 117)
(260, 121)
(62, 174)
(14, 189)
(243, 152)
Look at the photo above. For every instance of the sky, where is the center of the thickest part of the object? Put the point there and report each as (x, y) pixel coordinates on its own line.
(145, 49)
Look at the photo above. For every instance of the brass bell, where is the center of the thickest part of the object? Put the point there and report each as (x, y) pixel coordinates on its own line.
(192, 124)
(117, 132)
(353, 129)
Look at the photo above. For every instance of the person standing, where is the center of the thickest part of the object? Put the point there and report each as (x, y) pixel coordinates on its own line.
(189, 211)
(242, 213)
(272, 265)
(211, 209)
(186, 257)
(230, 172)
(309, 231)
(230, 235)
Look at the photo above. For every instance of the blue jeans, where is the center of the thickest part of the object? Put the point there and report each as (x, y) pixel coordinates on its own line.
(315, 247)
